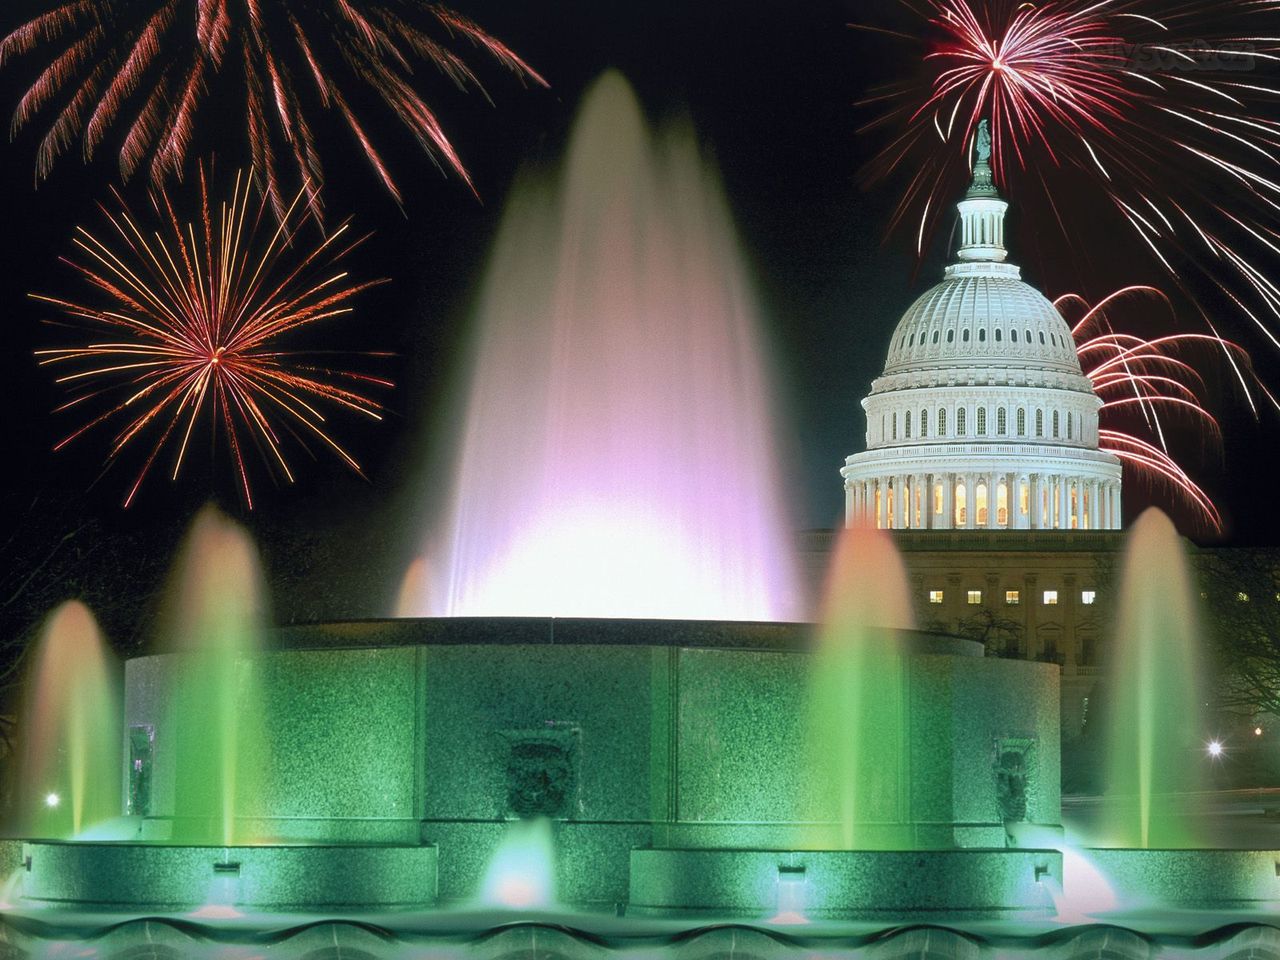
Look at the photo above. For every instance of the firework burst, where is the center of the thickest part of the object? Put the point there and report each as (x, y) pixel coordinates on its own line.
(191, 316)
(1163, 113)
(1145, 384)
(149, 67)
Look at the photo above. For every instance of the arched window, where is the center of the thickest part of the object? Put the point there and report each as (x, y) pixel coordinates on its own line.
(924, 424)
(962, 513)
(1028, 334)
(1022, 422)
(942, 423)
(879, 499)
(999, 334)
(965, 336)
(911, 340)
(1002, 421)
(895, 424)
(951, 336)
(982, 335)
(980, 503)
(935, 337)
(1039, 423)
(888, 510)
(960, 424)
(982, 421)
(1002, 504)
(906, 426)
(1042, 338)
(1071, 417)
(937, 499)
(1014, 334)
(1056, 434)
(882, 426)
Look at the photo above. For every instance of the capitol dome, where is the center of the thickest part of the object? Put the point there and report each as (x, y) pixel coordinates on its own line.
(983, 418)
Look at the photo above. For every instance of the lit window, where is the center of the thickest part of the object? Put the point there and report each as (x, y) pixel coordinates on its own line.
(1051, 598)
(935, 596)
(1088, 597)
(975, 597)
(1012, 597)
(937, 506)
(1242, 597)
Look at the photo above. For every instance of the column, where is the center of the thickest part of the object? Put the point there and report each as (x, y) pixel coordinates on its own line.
(900, 511)
(1037, 503)
(1095, 507)
(1064, 502)
(970, 500)
(948, 501)
(921, 502)
(1030, 600)
(882, 504)
(1071, 598)
(1117, 506)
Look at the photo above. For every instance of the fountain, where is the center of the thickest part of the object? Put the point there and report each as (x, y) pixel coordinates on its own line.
(71, 772)
(1151, 848)
(618, 398)
(609, 736)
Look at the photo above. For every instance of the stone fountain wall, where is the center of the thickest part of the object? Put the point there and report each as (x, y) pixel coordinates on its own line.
(627, 734)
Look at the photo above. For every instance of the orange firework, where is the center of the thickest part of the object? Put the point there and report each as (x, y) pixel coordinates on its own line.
(150, 66)
(199, 310)
(1149, 378)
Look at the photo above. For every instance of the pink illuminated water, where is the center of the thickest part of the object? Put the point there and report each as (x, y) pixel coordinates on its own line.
(616, 457)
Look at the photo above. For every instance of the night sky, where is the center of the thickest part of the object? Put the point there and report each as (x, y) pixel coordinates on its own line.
(772, 89)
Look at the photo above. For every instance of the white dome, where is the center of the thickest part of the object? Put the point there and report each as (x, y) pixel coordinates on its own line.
(982, 315)
(983, 418)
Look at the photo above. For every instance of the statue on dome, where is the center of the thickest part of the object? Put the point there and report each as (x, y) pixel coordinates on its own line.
(983, 141)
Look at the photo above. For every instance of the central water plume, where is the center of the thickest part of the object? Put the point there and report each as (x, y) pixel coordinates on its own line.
(616, 457)
(857, 702)
(71, 778)
(215, 620)
(1153, 696)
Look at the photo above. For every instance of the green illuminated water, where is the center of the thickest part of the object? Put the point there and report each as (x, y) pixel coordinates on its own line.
(215, 618)
(521, 874)
(857, 744)
(1154, 740)
(71, 773)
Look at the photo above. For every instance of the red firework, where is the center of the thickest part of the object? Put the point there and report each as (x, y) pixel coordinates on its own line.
(1165, 112)
(150, 66)
(194, 314)
(1146, 382)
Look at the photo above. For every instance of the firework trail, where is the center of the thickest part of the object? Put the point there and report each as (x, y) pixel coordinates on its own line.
(147, 68)
(1145, 383)
(187, 324)
(1155, 116)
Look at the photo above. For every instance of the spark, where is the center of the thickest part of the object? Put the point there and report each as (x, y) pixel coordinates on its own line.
(1092, 99)
(1148, 381)
(187, 325)
(155, 70)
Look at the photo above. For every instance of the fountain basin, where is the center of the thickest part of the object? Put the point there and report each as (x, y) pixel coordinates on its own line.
(617, 731)
(1191, 879)
(844, 884)
(165, 876)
